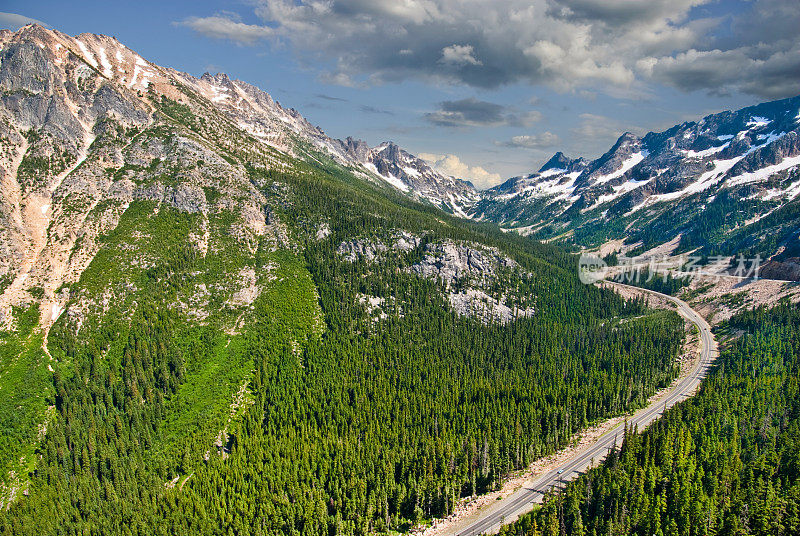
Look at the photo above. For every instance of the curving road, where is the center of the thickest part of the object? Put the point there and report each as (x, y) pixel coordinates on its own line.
(511, 507)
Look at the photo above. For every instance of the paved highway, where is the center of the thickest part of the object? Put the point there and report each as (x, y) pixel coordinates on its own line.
(511, 507)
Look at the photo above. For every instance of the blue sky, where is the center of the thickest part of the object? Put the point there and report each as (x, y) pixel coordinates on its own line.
(488, 89)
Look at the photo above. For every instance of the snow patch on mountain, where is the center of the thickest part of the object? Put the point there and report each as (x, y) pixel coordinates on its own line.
(704, 182)
(108, 71)
(790, 192)
(551, 172)
(766, 139)
(619, 190)
(758, 121)
(391, 179)
(765, 172)
(706, 152)
(88, 56)
(632, 161)
(411, 171)
(560, 186)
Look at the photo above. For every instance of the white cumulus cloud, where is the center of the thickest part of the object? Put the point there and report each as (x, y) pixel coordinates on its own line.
(224, 27)
(459, 54)
(450, 164)
(533, 141)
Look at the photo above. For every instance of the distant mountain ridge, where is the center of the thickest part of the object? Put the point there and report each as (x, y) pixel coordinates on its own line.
(727, 183)
(685, 159)
(256, 112)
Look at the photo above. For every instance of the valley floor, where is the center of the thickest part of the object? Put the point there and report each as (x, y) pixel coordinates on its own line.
(523, 490)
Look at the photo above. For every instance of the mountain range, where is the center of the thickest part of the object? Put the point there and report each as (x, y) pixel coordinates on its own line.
(726, 183)
(214, 318)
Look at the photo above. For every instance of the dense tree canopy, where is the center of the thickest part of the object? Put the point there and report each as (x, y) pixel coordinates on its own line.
(726, 462)
(371, 426)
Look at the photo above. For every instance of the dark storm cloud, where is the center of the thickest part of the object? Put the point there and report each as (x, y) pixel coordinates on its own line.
(618, 13)
(606, 45)
(760, 55)
(472, 112)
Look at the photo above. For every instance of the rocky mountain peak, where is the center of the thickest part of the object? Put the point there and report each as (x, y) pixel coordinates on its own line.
(625, 153)
(560, 161)
(357, 149)
(557, 161)
(391, 151)
(218, 78)
(627, 138)
(35, 32)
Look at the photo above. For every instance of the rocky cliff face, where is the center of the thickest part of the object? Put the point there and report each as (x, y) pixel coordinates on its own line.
(88, 127)
(478, 281)
(416, 178)
(286, 130)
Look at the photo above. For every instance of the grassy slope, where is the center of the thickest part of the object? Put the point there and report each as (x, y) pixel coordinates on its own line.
(25, 387)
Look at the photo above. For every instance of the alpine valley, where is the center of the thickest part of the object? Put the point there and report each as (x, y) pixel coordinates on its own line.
(216, 319)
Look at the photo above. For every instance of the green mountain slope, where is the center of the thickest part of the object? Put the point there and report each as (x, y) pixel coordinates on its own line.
(205, 334)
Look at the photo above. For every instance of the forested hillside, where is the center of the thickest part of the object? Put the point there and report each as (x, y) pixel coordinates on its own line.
(726, 462)
(372, 426)
(204, 334)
